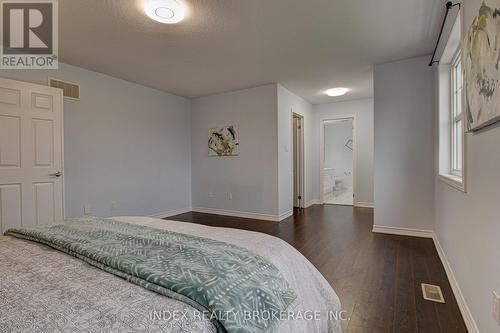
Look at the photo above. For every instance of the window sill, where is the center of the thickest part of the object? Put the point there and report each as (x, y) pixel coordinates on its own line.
(453, 181)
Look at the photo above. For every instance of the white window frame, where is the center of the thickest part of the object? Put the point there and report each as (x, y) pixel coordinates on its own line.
(456, 102)
(451, 171)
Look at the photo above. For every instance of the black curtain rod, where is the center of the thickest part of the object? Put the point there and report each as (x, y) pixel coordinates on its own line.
(449, 5)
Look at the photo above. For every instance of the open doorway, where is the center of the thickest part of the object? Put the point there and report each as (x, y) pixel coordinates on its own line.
(338, 165)
(298, 160)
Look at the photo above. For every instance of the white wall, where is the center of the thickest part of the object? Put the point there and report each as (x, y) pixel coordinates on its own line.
(404, 144)
(468, 224)
(363, 111)
(289, 103)
(124, 143)
(251, 177)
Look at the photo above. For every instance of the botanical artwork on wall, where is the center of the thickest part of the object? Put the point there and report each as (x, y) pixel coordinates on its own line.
(223, 141)
(481, 54)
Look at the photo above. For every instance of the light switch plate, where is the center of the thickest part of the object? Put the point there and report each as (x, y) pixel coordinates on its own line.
(496, 306)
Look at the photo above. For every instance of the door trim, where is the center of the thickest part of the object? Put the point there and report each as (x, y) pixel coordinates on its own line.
(302, 201)
(354, 156)
(60, 91)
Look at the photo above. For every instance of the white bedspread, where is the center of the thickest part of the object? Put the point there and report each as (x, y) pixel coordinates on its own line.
(45, 290)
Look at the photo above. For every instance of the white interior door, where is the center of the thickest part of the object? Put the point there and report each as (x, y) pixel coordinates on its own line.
(31, 154)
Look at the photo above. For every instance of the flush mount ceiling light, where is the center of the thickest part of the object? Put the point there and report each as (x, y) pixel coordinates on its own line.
(334, 92)
(165, 11)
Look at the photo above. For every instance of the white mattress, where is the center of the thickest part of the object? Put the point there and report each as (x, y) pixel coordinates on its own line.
(44, 289)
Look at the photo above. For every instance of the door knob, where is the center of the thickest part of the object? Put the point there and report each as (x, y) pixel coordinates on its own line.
(57, 174)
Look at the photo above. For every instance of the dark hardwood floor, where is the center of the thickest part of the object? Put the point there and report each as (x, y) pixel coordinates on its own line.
(377, 277)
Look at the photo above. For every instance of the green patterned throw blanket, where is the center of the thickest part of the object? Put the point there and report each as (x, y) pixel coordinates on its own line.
(230, 283)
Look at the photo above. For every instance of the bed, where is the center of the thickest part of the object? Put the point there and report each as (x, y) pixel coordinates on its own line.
(46, 290)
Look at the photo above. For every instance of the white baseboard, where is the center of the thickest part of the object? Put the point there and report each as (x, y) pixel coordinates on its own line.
(462, 304)
(285, 215)
(364, 204)
(235, 213)
(162, 215)
(360, 204)
(380, 229)
(312, 202)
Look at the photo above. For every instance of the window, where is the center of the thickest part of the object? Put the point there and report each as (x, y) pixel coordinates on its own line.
(456, 119)
(451, 119)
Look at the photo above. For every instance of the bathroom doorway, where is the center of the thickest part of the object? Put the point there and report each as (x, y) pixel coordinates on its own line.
(338, 161)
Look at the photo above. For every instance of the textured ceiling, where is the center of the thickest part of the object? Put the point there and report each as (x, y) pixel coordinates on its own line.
(222, 45)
